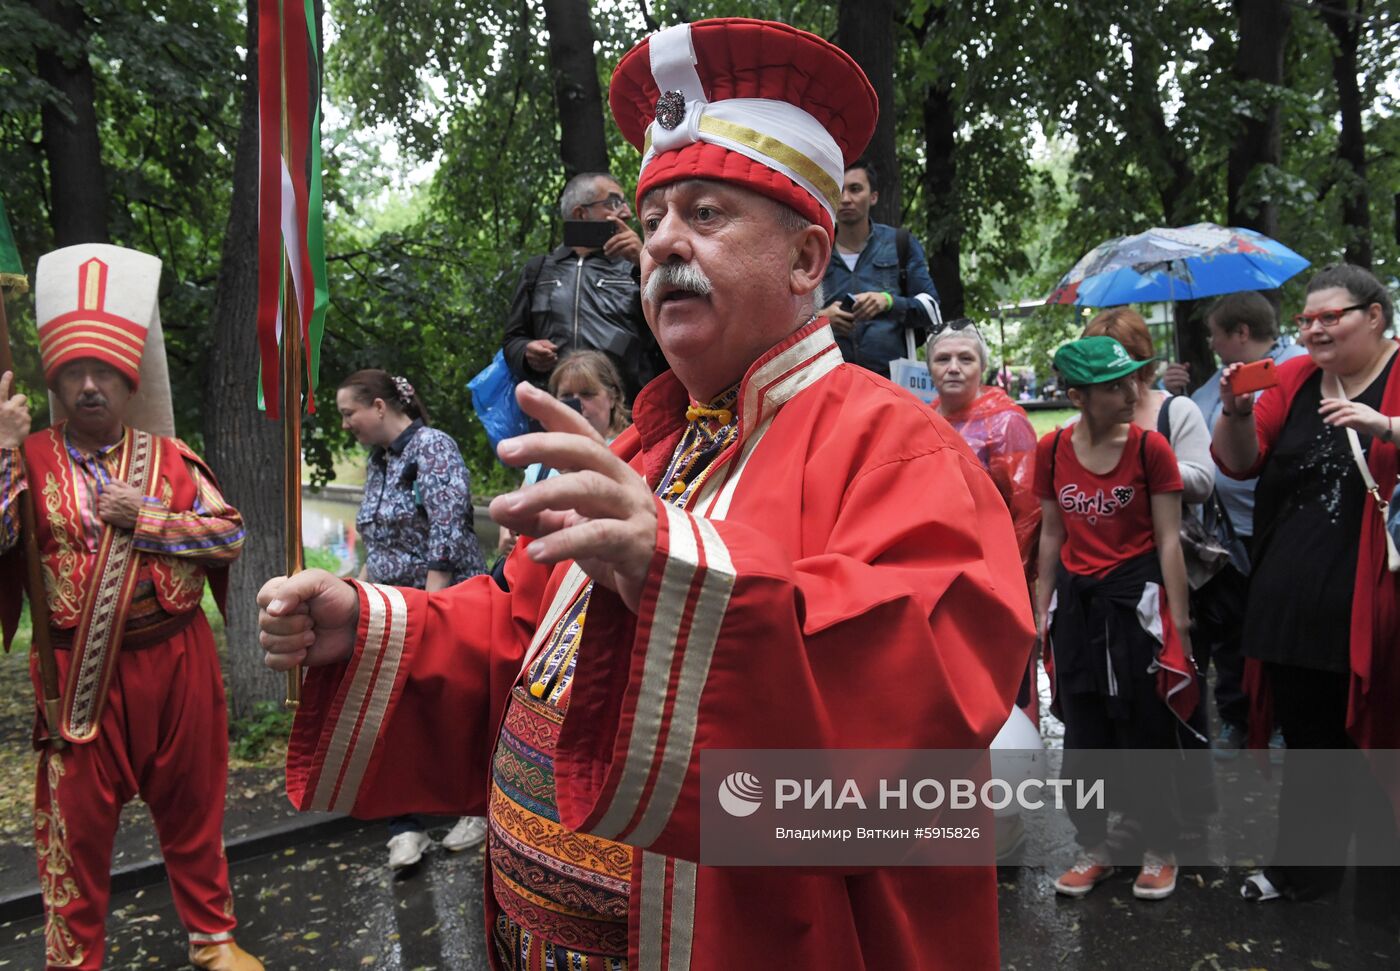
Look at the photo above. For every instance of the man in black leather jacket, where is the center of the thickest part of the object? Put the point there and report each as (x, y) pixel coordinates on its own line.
(580, 298)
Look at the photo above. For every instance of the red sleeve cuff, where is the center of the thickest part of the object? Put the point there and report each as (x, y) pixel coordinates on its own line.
(344, 705)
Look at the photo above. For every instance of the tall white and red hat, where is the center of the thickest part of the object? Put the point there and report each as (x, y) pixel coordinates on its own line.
(100, 301)
(750, 102)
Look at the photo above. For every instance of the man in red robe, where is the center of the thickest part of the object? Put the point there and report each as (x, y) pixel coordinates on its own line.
(784, 551)
(129, 524)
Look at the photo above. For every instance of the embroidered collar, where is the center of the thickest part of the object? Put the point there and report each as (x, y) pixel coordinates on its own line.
(789, 367)
(97, 454)
(719, 413)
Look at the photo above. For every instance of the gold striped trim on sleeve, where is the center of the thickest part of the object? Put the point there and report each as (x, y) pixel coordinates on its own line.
(653, 891)
(710, 608)
(378, 702)
(347, 735)
(669, 908)
(677, 575)
(683, 879)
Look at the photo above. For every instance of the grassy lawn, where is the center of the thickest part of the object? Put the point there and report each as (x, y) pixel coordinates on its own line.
(349, 470)
(1048, 421)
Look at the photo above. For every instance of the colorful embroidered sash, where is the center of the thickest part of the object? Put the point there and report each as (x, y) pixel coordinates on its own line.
(108, 597)
(564, 895)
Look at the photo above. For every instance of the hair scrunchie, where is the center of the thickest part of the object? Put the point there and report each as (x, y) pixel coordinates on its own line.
(404, 389)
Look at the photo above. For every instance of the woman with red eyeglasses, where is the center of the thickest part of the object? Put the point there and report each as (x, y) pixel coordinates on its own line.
(1322, 624)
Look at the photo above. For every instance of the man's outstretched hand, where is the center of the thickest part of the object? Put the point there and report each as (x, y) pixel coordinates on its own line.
(598, 512)
(307, 619)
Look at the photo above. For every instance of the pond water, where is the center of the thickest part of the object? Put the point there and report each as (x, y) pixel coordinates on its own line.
(328, 525)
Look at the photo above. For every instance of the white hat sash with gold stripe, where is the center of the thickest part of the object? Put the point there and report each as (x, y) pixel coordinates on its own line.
(773, 133)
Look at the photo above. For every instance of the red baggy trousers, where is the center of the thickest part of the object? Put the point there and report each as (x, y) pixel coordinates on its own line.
(163, 737)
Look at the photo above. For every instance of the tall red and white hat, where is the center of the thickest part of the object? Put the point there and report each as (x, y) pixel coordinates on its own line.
(750, 102)
(100, 301)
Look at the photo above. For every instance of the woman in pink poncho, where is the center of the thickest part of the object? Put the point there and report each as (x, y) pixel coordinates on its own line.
(1000, 435)
(994, 426)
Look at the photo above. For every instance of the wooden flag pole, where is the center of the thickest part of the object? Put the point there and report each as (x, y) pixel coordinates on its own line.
(291, 452)
(33, 574)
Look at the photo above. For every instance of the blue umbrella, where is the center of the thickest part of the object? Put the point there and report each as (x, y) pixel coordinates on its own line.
(1202, 260)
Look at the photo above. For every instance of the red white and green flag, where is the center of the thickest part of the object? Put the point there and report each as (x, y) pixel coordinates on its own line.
(291, 240)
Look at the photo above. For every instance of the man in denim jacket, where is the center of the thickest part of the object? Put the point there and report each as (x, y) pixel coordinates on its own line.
(865, 265)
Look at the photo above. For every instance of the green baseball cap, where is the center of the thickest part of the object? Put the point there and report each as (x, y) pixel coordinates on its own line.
(1094, 360)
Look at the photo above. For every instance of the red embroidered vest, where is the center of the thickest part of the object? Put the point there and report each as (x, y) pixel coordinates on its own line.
(69, 567)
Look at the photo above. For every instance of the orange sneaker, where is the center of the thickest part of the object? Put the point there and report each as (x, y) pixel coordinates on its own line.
(1157, 878)
(1087, 873)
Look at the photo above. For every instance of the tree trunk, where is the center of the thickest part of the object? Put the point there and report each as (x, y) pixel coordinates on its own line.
(244, 448)
(1346, 27)
(940, 198)
(77, 183)
(582, 145)
(865, 30)
(1171, 167)
(1170, 163)
(1263, 26)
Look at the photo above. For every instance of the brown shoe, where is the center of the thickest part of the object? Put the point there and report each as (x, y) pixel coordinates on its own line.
(224, 956)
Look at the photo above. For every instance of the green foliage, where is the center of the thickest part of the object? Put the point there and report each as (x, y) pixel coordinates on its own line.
(167, 82)
(250, 738)
(1075, 121)
(1037, 336)
(316, 559)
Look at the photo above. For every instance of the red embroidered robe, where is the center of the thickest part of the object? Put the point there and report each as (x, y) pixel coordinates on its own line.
(848, 577)
(70, 569)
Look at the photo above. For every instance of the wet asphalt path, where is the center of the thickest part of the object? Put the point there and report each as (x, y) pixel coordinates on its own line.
(332, 906)
(324, 906)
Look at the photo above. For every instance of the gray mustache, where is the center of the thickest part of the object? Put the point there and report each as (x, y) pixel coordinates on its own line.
(684, 276)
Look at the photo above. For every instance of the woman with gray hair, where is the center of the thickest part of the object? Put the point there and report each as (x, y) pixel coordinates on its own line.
(1001, 436)
(994, 427)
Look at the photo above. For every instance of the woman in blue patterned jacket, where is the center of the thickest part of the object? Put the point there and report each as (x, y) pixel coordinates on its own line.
(417, 525)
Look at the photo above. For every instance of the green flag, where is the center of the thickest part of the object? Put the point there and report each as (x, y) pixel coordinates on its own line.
(11, 270)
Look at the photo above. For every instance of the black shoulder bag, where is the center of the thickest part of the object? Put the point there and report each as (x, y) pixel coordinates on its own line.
(1205, 539)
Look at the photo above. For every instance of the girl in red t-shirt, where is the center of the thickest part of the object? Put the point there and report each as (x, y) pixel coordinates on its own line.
(1112, 603)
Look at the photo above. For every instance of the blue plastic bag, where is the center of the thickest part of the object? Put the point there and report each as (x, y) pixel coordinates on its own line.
(493, 398)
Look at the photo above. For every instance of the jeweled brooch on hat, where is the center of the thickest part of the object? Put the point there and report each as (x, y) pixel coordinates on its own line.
(670, 110)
